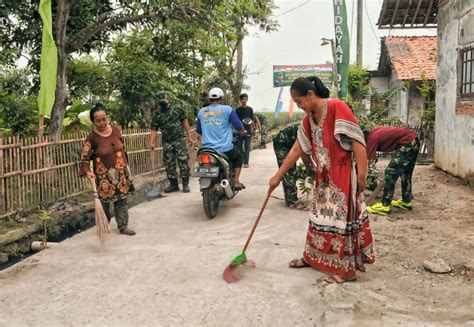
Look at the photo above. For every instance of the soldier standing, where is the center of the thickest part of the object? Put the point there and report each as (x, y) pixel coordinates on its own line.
(263, 130)
(173, 125)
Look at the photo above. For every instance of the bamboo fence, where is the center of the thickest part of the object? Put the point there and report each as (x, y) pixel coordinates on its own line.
(35, 172)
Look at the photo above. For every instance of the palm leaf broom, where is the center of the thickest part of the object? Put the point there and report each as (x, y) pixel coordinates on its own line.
(229, 275)
(101, 221)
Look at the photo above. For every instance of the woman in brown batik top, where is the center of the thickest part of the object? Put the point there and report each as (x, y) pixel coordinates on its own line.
(104, 146)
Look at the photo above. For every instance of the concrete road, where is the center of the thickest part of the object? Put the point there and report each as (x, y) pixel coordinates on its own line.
(170, 273)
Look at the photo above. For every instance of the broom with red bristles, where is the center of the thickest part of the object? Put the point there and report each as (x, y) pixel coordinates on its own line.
(229, 275)
(101, 221)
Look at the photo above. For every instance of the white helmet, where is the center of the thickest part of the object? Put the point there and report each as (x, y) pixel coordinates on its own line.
(216, 93)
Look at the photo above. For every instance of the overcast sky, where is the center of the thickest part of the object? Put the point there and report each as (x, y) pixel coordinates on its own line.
(298, 42)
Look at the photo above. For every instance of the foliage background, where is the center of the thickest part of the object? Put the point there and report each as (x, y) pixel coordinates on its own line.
(122, 53)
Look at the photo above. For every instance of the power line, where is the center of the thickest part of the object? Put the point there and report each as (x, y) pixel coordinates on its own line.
(370, 23)
(294, 8)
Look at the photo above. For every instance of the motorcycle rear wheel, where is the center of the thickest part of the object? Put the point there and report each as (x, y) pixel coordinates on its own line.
(210, 201)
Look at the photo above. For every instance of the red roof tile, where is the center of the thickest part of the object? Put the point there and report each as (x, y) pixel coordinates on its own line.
(412, 55)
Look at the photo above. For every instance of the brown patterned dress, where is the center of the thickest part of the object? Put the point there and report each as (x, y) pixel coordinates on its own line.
(113, 178)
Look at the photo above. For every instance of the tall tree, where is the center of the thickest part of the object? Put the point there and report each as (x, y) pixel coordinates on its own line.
(79, 26)
(175, 45)
(237, 16)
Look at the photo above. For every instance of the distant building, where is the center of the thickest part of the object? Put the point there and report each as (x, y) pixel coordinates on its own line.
(406, 60)
(454, 19)
(454, 142)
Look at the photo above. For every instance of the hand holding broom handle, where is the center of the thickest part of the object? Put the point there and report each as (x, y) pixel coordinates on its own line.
(257, 220)
(378, 188)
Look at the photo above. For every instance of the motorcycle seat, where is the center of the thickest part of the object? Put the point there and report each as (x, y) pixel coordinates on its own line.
(213, 151)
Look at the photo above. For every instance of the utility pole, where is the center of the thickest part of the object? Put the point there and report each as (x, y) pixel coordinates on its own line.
(335, 79)
(360, 7)
(334, 67)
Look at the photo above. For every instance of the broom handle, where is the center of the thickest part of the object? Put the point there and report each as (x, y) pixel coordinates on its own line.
(378, 188)
(94, 187)
(256, 221)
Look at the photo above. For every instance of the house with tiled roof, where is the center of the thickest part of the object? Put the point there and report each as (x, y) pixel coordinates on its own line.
(454, 21)
(406, 61)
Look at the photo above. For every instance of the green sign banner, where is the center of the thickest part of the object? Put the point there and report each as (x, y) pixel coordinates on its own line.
(285, 75)
(342, 45)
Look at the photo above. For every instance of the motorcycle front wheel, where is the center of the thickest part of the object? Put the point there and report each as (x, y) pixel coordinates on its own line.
(210, 201)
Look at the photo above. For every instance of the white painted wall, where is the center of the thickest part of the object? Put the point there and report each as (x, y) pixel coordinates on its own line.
(415, 105)
(379, 84)
(454, 141)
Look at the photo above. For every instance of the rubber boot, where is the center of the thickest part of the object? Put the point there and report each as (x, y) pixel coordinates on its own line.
(173, 186)
(186, 185)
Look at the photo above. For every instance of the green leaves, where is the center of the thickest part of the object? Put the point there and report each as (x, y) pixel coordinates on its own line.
(183, 47)
(360, 89)
(358, 82)
(77, 117)
(18, 108)
(88, 79)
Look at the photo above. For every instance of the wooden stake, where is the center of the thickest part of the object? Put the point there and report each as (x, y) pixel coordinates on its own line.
(41, 126)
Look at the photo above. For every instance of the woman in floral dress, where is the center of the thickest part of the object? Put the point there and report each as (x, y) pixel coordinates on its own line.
(339, 239)
(105, 147)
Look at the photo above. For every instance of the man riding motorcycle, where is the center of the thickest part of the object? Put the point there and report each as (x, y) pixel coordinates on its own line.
(214, 128)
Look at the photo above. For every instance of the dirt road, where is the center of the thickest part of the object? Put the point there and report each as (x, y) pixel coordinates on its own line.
(169, 274)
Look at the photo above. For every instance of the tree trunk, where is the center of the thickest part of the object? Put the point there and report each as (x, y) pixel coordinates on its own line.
(239, 69)
(60, 103)
(146, 113)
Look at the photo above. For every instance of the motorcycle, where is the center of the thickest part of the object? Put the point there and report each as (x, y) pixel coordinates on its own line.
(216, 179)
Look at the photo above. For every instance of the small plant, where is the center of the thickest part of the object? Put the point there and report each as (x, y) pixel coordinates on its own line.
(372, 175)
(427, 90)
(45, 218)
(304, 180)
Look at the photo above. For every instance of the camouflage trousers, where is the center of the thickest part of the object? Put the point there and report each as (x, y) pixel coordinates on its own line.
(289, 179)
(402, 165)
(120, 210)
(176, 152)
(263, 134)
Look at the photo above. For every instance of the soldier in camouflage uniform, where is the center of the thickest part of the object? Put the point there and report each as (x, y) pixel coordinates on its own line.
(405, 145)
(263, 130)
(282, 143)
(173, 125)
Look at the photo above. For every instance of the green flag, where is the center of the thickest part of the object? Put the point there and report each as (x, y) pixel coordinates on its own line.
(342, 45)
(49, 61)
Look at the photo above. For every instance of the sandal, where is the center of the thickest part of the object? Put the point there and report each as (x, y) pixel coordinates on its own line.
(127, 231)
(338, 280)
(297, 206)
(298, 263)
